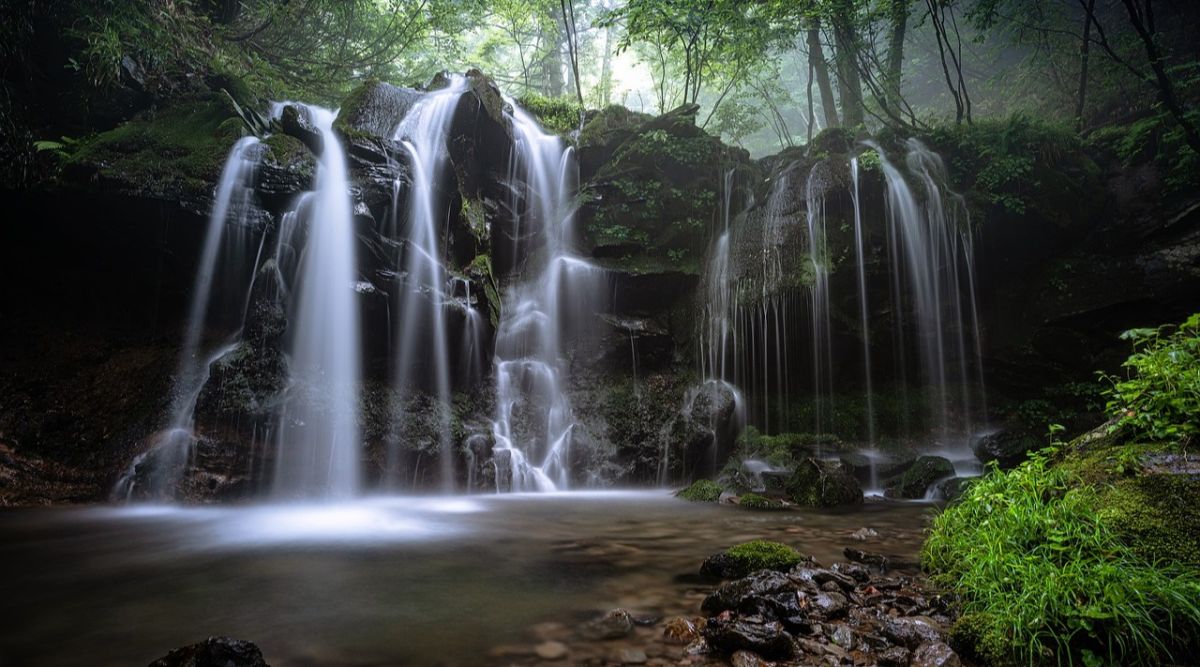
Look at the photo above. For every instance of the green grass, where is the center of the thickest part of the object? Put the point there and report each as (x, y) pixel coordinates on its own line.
(1044, 578)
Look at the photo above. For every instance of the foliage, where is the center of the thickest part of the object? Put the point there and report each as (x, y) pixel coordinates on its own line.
(1019, 164)
(1043, 576)
(1159, 401)
(701, 491)
(1158, 139)
(763, 555)
(560, 115)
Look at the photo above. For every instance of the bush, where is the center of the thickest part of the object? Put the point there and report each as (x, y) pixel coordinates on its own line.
(701, 491)
(1043, 576)
(1159, 402)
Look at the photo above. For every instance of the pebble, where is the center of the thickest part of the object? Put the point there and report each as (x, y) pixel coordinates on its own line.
(633, 656)
(551, 650)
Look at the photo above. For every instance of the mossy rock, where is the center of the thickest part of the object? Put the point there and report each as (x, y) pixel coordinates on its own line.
(701, 491)
(173, 153)
(916, 481)
(742, 559)
(831, 140)
(823, 483)
(374, 109)
(559, 115)
(754, 501)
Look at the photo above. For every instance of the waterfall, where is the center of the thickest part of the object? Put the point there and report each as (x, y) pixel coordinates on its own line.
(932, 258)
(422, 338)
(318, 448)
(223, 259)
(822, 329)
(863, 306)
(551, 304)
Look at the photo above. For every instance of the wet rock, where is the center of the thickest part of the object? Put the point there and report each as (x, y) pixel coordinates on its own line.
(679, 630)
(747, 659)
(911, 631)
(953, 488)
(615, 624)
(823, 483)
(731, 595)
(896, 656)
(843, 636)
(935, 654)
(286, 167)
(867, 558)
(214, 652)
(864, 534)
(633, 656)
(924, 473)
(750, 633)
(375, 108)
(296, 122)
(551, 650)
(1007, 447)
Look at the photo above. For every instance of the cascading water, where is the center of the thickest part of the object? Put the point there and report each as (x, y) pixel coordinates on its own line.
(932, 248)
(534, 421)
(317, 453)
(422, 333)
(864, 322)
(223, 262)
(822, 328)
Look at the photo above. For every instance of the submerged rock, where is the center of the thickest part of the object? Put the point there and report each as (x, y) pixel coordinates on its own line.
(214, 652)
(615, 624)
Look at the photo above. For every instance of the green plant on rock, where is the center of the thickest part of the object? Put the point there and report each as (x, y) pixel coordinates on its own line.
(701, 491)
(1044, 577)
(557, 114)
(1159, 401)
(763, 555)
(755, 501)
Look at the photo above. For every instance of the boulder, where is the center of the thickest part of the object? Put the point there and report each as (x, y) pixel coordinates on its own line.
(741, 560)
(823, 483)
(935, 654)
(911, 631)
(749, 633)
(916, 481)
(1007, 447)
(214, 652)
(375, 108)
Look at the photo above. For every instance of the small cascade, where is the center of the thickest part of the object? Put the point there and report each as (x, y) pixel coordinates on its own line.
(222, 270)
(717, 338)
(422, 335)
(819, 315)
(534, 421)
(933, 268)
(318, 449)
(864, 322)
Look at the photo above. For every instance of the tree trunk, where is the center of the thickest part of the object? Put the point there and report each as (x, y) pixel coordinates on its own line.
(816, 58)
(1084, 54)
(1143, 22)
(605, 91)
(895, 64)
(849, 85)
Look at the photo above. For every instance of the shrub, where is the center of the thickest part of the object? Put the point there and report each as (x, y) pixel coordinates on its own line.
(1044, 577)
(1159, 402)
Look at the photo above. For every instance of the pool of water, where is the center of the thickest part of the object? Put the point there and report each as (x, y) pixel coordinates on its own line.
(383, 581)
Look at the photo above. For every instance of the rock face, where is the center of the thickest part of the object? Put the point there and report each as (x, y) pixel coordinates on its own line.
(214, 652)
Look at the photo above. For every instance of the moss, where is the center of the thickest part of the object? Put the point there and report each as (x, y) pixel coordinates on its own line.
(762, 555)
(973, 636)
(755, 501)
(176, 150)
(820, 483)
(831, 140)
(924, 472)
(1157, 516)
(701, 491)
(559, 115)
(608, 122)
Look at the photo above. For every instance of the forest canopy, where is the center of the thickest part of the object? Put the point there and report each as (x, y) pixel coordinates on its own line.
(766, 75)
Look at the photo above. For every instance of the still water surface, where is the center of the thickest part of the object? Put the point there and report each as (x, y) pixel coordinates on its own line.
(386, 581)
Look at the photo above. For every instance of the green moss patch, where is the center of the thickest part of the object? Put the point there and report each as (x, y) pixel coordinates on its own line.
(762, 555)
(701, 491)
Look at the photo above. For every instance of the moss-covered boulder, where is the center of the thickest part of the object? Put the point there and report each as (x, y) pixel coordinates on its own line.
(603, 133)
(754, 501)
(173, 153)
(918, 478)
(1007, 447)
(742, 559)
(287, 166)
(374, 109)
(649, 207)
(823, 483)
(701, 491)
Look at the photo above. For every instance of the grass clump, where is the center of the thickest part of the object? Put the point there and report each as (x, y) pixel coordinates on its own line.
(763, 555)
(701, 491)
(756, 501)
(1045, 579)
